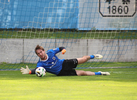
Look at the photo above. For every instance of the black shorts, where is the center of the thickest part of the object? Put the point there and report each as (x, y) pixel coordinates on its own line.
(68, 68)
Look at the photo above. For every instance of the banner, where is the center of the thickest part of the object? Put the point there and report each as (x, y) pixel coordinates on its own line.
(69, 14)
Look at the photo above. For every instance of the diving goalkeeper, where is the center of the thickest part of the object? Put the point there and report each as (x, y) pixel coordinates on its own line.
(61, 67)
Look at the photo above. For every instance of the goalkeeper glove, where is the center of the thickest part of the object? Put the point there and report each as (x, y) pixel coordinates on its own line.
(63, 51)
(25, 71)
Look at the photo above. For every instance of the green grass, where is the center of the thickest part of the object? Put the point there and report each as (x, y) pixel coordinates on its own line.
(9, 66)
(67, 34)
(120, 85)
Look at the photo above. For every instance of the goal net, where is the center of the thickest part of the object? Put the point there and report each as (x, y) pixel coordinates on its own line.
(83, 27)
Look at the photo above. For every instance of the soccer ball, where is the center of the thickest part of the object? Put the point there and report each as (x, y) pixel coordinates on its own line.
(40, 71)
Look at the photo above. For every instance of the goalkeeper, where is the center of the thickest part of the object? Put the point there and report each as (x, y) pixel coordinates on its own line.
(61, 67)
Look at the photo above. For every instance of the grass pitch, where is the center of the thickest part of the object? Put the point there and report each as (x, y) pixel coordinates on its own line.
(120, 85)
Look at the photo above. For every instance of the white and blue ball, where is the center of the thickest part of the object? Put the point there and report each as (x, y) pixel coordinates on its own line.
(40, 71)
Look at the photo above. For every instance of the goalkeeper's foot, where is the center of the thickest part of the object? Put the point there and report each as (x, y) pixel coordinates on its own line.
(97, 56)
(104, 73)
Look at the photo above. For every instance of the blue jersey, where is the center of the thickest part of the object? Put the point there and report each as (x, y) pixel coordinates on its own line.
(53, 64)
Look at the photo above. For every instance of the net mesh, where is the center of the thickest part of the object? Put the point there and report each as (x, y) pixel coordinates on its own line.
(83, 27)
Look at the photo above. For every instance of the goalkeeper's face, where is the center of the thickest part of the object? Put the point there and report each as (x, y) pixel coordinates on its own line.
(41, 53)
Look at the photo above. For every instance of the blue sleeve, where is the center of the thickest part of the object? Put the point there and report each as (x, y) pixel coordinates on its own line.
(55, 51)
(39, 64)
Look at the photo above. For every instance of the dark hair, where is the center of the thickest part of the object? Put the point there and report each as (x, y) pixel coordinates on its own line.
(38, 47)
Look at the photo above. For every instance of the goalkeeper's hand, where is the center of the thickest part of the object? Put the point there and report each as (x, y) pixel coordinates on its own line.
(63, 51)
(25, 71)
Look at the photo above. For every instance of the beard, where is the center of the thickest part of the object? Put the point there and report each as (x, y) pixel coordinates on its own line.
(43, 57)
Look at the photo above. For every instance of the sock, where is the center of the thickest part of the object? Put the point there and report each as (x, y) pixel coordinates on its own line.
(91, 56)
(97, 73)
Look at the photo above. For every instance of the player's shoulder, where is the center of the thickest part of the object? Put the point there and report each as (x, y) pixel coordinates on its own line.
(50, 51)
(56, 48)
(39, 63)
(53, 50)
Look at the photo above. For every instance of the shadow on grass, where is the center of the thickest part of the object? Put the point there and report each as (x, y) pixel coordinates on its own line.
(122, 75)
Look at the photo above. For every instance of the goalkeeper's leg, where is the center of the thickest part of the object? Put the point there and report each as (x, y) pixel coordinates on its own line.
(86, 58)
(89, 73)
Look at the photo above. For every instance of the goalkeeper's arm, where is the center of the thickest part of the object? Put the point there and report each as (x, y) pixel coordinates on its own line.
(27, 70)
(62, 49)
(32, 71)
